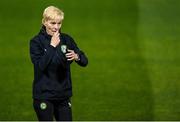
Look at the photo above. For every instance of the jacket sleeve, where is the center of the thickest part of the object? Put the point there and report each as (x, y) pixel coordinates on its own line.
(40, 57)
(83, 59)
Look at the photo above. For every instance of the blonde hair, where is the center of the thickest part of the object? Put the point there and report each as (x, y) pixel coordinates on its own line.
(51, 13)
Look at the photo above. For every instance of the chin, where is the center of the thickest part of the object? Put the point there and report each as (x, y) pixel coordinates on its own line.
(53, 32)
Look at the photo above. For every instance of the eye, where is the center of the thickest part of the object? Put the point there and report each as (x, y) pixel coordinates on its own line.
(53, 23)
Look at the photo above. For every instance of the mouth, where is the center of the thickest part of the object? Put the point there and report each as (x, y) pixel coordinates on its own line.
(54, 31)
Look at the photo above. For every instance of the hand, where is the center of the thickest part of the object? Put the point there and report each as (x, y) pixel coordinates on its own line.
(55, 39)
(71, 55)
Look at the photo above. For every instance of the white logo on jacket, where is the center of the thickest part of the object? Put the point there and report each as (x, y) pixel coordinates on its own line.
(63, 48)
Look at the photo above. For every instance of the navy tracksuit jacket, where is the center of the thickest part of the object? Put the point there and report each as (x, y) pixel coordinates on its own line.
(52, 76)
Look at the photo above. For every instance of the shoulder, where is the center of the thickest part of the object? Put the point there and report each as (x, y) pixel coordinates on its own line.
(36, 40)
(67, 37)
(69, 40)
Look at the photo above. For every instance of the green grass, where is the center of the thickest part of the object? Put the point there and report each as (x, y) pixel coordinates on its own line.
(133, 49)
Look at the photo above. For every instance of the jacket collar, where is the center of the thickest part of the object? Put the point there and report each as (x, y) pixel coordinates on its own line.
(43, 32)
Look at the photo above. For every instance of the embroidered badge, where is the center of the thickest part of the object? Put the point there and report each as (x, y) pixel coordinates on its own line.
(69, 104)
(43, 106)
(63, 48)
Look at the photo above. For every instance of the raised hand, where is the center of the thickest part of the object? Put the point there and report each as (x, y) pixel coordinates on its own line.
(71, 55)
(55, 40)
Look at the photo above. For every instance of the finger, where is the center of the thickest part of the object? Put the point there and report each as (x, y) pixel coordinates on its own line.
(58, 33)
(72, 51)
(69, 54)
(70, 59)
(55, 33)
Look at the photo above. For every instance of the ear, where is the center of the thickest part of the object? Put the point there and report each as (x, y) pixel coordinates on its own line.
(44, 22)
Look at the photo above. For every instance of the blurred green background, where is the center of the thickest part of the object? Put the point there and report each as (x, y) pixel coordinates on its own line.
(133, 48)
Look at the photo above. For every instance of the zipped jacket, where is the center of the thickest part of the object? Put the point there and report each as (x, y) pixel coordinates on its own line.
(52, 75)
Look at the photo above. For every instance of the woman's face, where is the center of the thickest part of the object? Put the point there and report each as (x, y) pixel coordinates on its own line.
(52, 26)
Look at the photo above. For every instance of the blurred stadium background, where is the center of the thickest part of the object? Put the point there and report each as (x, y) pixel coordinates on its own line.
(133, 48)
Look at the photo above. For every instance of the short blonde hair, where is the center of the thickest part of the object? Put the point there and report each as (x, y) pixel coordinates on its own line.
(51, 13)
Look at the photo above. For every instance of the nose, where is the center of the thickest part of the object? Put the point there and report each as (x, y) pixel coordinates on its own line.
(56, 26)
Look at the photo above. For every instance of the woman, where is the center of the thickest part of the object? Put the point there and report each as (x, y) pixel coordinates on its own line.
(51, 53)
